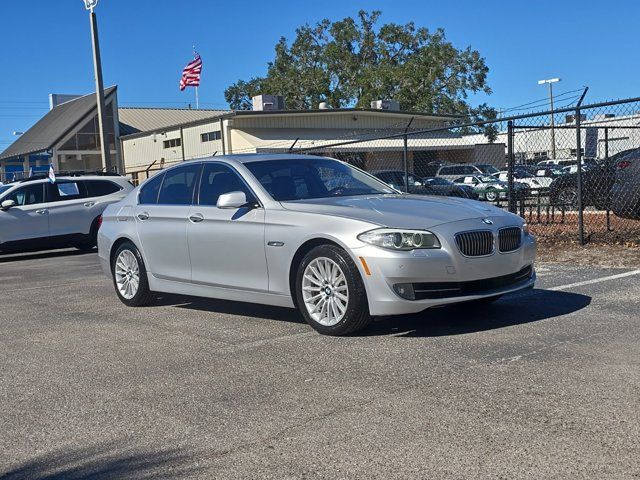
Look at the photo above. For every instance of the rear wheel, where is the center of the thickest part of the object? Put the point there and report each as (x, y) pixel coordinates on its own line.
(330, 293)
(130, 276)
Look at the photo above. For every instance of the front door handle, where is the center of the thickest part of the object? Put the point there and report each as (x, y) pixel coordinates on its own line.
(196, 217)
(89, 204)
(143, 216)
(42, 211)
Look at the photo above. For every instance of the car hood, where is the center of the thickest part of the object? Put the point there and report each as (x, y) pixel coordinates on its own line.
(398, 211)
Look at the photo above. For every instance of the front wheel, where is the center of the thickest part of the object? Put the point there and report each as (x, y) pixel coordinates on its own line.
(330, 293)
(492, 195)
(130, 276)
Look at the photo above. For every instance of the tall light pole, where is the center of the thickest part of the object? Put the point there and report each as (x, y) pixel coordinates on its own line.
(97, 69)
(550, 82)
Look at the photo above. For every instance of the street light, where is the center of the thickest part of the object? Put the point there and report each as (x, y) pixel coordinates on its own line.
(550, 82)
(97, 69)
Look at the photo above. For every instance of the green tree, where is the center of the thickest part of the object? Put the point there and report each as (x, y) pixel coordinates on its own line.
(350, 62)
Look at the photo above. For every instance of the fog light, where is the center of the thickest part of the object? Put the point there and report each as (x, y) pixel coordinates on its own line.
(405, 290)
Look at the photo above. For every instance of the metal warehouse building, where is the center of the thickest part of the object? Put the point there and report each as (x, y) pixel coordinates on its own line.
(147, 139)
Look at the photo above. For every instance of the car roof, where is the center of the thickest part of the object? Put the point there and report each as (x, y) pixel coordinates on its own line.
(259, 157)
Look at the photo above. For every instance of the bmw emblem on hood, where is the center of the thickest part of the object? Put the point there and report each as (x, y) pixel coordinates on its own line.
(487, 221)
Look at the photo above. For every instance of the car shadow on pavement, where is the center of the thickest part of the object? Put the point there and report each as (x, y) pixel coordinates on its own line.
(22, 256)
(230, 307)
(517, 309)
(104, 461)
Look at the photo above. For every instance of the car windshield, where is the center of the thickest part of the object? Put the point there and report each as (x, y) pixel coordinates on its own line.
(490, 169)
(487, 179)
(4, 188)
(306, 178)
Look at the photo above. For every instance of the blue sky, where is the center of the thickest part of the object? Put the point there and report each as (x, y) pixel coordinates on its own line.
(45, 46)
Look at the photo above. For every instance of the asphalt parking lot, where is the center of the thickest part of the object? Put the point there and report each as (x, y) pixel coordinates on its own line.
(544, 384)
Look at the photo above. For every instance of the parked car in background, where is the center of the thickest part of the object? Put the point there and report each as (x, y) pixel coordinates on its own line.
(426, 186)
(36, 214)
(486, 168)
(558, 162)
(597, 182)
(535, 183)
(541, 170)
(273, 229)
(451, 172)
(625, 192)
(442, 186)
(490, 188)
(395, 178)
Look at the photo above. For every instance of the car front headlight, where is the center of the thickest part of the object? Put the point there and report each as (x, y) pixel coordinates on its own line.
(525, 229)
(395, 239)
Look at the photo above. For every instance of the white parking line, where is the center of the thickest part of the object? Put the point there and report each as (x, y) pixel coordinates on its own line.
(595, 280)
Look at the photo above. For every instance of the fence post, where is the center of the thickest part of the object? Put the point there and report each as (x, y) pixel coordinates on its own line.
(405, 156)
(510, 167)
(405, 160)
(579, 178)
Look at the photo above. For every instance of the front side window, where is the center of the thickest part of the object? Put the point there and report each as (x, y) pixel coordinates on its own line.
(149, 191)
(28, 195)
(306, 178)
(178, 185)
(218, 179)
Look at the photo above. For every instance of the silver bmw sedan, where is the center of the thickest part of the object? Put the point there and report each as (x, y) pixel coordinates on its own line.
(311, 233)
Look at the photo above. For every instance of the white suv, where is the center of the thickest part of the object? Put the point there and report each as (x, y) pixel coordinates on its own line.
(36, 214)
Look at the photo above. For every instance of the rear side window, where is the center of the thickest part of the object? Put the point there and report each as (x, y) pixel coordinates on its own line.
(178, 185)
(149, 192)
(63, 191)
(100, 188)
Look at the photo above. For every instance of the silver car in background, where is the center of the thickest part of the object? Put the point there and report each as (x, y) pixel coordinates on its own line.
(36, 214)
(312, 233)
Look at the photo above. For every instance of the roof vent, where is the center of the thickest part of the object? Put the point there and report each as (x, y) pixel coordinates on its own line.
(385, 105)
(268, 102)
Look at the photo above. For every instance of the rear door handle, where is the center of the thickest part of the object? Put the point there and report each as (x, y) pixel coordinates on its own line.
(89, 204)
(42, 211)
(143, 216)
(196, 217)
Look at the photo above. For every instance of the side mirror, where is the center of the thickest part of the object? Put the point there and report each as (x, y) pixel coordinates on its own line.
(7, 204)
(232, 200)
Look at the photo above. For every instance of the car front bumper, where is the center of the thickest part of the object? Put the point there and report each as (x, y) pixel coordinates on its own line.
(442, 276)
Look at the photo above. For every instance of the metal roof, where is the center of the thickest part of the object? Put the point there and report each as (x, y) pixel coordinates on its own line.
(134, 119)
(223, 114)
(51, 128)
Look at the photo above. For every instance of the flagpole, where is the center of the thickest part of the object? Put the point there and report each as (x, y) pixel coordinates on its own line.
(197, 98)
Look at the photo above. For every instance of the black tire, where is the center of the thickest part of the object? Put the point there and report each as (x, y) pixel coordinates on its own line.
(356, 316)
(491, 195)
(567, 196)
(143, 295)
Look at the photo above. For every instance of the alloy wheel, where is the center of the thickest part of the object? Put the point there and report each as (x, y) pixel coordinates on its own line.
(127, 274)
(325, 291)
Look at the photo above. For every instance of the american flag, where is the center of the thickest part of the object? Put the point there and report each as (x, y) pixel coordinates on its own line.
(191, 73)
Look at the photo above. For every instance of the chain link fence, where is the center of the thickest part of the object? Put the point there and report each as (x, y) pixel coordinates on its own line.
(573, 174)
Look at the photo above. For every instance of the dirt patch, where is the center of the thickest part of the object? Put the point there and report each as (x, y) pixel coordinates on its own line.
(596, 254)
